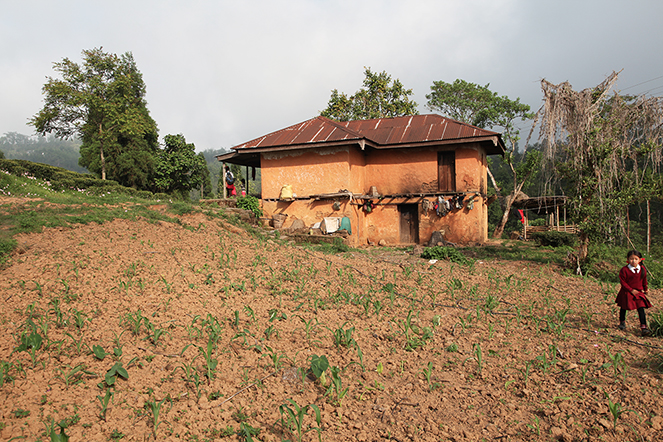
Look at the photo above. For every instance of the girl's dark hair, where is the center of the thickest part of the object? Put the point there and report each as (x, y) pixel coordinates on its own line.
(633, 252)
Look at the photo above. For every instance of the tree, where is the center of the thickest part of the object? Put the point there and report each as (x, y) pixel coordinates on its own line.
(607, 151)
(178, 168)
(479, 106)
(102, 103)
(206, 181)
(377, 99)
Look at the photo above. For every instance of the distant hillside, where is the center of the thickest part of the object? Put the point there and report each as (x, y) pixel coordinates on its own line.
(47, 150)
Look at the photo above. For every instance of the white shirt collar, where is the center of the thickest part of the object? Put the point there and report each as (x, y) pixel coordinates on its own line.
(634, 269)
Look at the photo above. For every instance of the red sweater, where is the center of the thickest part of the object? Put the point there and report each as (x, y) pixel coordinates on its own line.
(630, 282)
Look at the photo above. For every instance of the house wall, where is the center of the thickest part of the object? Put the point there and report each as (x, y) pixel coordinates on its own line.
(303, 170)
(391, 172)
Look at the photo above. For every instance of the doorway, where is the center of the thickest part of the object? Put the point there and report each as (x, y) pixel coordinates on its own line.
(409, 223)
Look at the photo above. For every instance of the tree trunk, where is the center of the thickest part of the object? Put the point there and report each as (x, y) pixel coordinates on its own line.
(101, 152)
(508, 201)
(583, 249)
(492, 179)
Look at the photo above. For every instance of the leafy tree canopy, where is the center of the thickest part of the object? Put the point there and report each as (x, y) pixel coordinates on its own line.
(178, 168)
(101, 102)
(379, 98)
(475, 104)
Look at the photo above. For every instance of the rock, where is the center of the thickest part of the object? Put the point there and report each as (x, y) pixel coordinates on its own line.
(382, 242)
(417, 250)
(559, 434)
(605, 423)
(657, 423)
(437, 238)
(297, 226)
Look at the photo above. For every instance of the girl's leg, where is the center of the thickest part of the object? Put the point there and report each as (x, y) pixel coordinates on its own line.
(622, 315)
(643, 322)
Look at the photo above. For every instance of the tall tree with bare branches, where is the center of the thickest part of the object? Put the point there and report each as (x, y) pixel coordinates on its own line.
(607, 148)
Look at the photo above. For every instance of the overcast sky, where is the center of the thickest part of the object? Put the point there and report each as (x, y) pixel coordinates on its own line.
(225, 72)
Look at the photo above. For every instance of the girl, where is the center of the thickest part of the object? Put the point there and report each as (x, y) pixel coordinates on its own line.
(633, 292)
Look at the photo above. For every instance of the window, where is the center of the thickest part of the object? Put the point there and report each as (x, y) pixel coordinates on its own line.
(446, 171)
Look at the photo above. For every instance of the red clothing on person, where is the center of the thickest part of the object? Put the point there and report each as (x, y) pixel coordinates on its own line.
(632, 281)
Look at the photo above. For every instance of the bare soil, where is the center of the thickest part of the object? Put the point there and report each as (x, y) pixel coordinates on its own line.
(518, 351)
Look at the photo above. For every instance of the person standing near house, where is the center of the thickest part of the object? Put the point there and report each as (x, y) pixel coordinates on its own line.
(230, 182)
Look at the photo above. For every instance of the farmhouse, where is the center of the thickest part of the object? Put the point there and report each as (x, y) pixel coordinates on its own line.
(392, 179)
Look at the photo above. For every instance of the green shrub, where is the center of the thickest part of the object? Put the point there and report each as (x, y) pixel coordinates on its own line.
(555, 239)
(250, 203)
(449, 253)
(537, 222)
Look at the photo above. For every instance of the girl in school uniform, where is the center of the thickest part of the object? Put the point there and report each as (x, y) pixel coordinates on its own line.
(633, 292)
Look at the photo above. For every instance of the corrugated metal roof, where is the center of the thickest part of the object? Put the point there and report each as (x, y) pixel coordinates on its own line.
(381, 132)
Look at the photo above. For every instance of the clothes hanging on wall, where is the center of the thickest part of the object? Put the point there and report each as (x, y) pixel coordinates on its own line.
(426, 206)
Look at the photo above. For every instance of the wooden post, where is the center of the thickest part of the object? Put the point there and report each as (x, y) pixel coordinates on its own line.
(223, 180)
(648, 227)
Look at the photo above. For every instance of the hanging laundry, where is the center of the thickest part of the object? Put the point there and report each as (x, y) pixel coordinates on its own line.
(442, 206)
(459, 201)
(425, 206)
(470, 202)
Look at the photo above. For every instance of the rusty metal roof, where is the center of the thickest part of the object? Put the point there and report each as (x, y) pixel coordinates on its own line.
(378, 133)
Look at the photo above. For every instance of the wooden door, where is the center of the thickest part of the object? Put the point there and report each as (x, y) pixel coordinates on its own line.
(409, 223)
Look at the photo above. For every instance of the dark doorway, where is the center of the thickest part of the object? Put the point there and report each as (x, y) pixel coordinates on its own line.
(409, 220)
(446, 171)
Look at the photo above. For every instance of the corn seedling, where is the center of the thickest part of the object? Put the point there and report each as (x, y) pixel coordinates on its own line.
(276, 358)
(342, 337)
(478, 357)
(310, 329)
(155, 408)
(546, 362)
(246, 432)
(154, 333)
(77, 343)
(535, 427)
(30, 342)
(134, 322)
(4, 372)
(336, 385)
(292, 419)
(616, 410)
(617, 363)
(104, 400)
(428, 372)
(58, 315)
(73, 375)
(191, 375)
(271, 330)
(210, 362)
